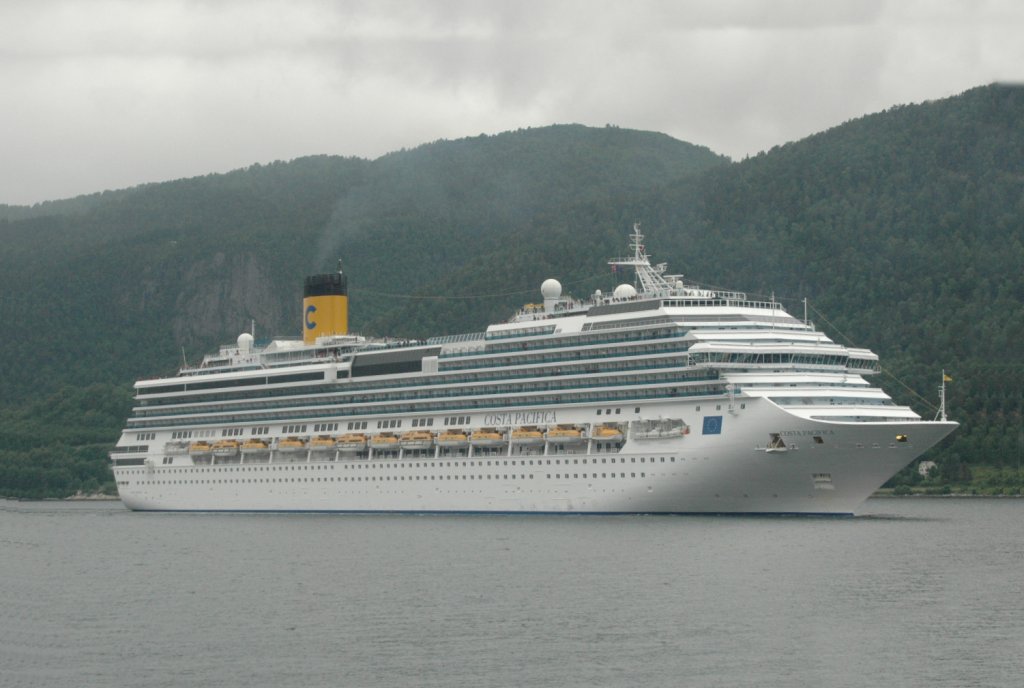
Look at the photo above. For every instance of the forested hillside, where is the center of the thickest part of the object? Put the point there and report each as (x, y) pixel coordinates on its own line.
(904, 230)
(115, 286)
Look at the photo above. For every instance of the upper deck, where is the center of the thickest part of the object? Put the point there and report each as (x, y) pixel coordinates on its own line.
(728, 328)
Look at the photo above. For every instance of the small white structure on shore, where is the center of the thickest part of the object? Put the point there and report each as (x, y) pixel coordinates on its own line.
(926, 467)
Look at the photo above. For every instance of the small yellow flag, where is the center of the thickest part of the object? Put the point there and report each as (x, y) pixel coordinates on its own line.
(946, 378)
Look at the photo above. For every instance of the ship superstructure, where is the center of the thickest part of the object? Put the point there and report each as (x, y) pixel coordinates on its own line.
(660, 397)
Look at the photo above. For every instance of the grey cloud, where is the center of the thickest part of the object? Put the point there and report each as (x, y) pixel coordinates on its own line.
(112, 93)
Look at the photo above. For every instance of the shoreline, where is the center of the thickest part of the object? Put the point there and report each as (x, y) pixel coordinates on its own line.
(90, 497)
(956, 495)
(99, 497)
(884, 493)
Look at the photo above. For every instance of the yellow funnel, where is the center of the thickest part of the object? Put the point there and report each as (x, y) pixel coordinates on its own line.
(324, 306)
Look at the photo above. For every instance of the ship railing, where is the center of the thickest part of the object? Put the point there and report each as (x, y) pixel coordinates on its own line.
(426, 393)
(520, 333)
(367, 395)
(456, 378)
(456, 338)
(591, 355)
(134, 449)
(565, 344)
(732, 300)
(461, 392)
(541, 373)
(574, 342)
(470, 405)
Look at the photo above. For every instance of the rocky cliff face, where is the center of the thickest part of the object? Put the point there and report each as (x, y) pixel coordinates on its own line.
(221, 294)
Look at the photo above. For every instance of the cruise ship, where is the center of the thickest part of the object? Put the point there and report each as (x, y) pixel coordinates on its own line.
(660, 397)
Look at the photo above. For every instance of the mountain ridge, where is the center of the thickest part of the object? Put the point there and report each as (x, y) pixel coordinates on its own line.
(903, 228)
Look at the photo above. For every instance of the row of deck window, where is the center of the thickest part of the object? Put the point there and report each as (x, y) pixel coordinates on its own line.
(598, 396)
(398, 465)
(425, 395)
(388, 478)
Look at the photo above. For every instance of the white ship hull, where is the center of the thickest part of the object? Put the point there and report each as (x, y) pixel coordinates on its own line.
(732, 472)
(725, 404)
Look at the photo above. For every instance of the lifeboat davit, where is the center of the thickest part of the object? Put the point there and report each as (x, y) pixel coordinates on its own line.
(566, 434)
(200, 448)
(322, 443)
(417, 440)
(384, 441)
(352, 442)
(528, 436)
(453, 439)
(608, 433)
(255, 446)
(224, 449)
(291, 445)
(487, 437)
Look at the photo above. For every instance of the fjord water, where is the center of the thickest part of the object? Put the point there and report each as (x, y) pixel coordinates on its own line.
(916, 592)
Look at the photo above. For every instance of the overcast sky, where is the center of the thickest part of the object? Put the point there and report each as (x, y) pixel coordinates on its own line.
(105, 94)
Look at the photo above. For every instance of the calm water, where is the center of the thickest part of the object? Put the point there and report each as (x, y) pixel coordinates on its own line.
(915, 593)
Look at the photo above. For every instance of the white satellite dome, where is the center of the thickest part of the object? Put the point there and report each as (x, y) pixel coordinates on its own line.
(624, 291)
(551, 289)
(245, 342)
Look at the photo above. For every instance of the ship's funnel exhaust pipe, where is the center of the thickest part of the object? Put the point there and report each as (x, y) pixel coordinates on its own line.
(325, 305)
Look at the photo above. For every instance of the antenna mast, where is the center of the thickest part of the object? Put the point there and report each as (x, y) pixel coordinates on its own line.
(941, 415)
(650, 277)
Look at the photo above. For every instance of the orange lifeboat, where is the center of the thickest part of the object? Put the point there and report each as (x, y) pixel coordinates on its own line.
(528, 436)
(487, 437)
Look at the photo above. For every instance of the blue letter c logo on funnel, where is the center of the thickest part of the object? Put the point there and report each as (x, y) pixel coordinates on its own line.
(310, 324)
